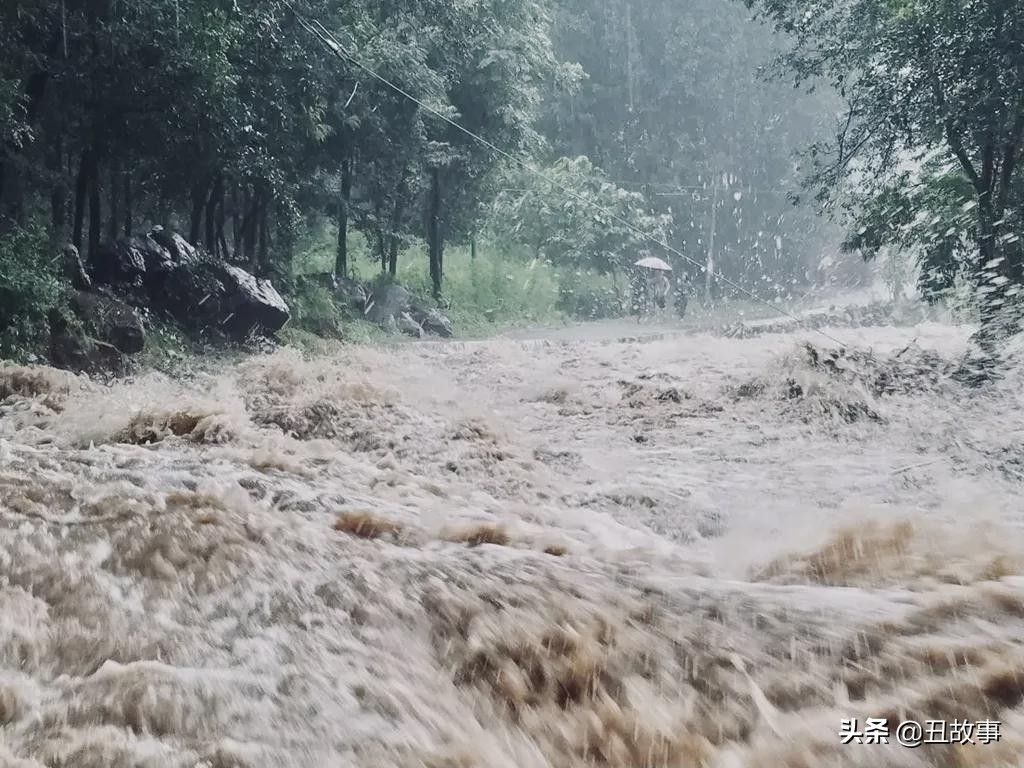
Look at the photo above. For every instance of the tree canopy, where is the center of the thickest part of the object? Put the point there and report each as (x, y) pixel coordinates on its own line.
(932, 129)
(669, 101)
(229, 121)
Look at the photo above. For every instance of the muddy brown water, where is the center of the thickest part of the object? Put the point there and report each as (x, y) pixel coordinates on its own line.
(578, 547)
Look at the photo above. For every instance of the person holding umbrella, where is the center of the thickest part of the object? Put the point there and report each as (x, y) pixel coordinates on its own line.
(652, 283)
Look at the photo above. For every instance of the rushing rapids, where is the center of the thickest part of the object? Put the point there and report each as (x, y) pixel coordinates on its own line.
(557, 551)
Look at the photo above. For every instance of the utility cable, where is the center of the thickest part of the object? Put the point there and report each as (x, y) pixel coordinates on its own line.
(318, 30)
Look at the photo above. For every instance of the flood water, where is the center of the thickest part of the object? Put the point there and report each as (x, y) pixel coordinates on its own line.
(609, 545)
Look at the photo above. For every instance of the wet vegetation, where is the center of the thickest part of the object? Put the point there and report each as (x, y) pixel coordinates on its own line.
(234, 126)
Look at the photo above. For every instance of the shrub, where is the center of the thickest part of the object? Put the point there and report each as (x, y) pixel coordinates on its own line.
(31, 287)
(314, 309)
(586, 295)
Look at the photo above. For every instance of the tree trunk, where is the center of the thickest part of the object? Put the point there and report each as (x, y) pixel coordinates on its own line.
(249, 228)
(381, 236)
(114, 222)
(95, 217)
(210, 236)
(236, 224)
(341, 256)
(393, 239)
(472, 247)
(13, 195)
(222, 241)
(991, 290)
(393, 256)
(58, 196)
(81, 191)
(128, 204)
(198, 204)
(264, 250)
(434, 235)
(3, 178)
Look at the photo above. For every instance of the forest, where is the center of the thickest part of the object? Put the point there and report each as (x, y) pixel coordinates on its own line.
(233, 125)
(359, 139)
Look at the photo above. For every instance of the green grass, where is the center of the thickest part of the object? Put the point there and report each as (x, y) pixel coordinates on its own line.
(501, 288)
(493, 291)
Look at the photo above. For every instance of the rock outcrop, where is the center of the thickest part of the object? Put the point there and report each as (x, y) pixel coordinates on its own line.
(73, 268)
(111, 321)
(164, 272)
(393, 306)
(73, 351)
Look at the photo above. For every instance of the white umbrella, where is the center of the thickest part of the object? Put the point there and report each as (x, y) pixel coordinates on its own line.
(652, 262)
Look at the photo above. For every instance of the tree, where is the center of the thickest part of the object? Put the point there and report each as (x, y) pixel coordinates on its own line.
(942, 79)
(667, 100)
(583, 228)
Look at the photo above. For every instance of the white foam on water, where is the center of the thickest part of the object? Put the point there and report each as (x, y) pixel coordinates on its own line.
(577, 550)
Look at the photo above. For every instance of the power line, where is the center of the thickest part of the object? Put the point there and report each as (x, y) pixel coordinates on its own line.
(318, 30)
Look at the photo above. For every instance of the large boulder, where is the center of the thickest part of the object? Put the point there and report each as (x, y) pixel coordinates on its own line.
(111, 321)
(210, 295)
(158, 259)
(432, 321)
(181, 250)
(254, 304)
(388, 301)
(409, 326)
(135, 267)
(194, 295)
(80, 353)
(120, 263)
(392, 306)
(73, 268)
(351, 294)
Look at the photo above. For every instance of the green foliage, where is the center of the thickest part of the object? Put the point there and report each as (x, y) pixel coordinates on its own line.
(30, 288)
(588, 295)
(934, 120)
(314, 309)
(234, 123)
(581, 229)
(502, 286)
(931, 220)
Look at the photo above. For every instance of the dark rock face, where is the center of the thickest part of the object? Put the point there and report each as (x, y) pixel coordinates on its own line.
(73, 268)
(432, 322)
(158, 259)
(111, 321)
(388, 301)
(193, 296)
(120, 263)
(209, 295)
(254, 304)
(163, 271)
(181, 251)
(84, 354)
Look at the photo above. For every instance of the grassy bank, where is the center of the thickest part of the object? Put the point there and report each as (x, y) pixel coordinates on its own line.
(494, 289)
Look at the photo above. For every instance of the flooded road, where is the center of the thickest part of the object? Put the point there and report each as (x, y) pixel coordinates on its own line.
(567, 548)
